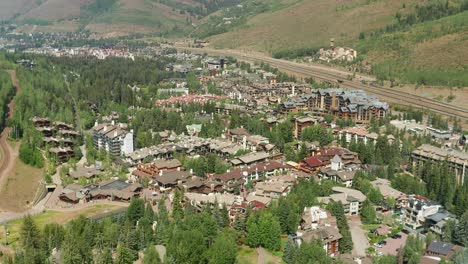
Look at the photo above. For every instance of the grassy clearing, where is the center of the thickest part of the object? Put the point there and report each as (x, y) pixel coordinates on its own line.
(20, 187)
(247, 255)
(57, 217)
(370, 226)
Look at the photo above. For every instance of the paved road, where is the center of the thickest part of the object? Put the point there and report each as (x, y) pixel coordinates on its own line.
(359, 236)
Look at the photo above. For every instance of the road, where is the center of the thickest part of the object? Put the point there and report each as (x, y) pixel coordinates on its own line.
(332, 75)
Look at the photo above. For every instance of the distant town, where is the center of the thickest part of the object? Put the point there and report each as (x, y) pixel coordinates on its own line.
(340, 169)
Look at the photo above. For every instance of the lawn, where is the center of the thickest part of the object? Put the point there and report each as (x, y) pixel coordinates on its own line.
(49, 217)
(370, 226)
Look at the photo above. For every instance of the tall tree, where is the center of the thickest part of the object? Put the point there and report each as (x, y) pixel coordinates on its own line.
(290, 250)
(151, 256)
(223, 250)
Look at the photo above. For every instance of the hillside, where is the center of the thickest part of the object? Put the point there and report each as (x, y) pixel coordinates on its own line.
(310, 24)
(109, 17)
(415, 42)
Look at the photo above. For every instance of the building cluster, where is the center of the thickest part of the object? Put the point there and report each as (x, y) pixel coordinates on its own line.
(190, 99)
(354, 105)
(85, 51)
(446, 137)
(58, 137)
(257, 174)
(336, 53)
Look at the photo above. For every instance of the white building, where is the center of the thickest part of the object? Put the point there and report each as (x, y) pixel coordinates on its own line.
(113, 139)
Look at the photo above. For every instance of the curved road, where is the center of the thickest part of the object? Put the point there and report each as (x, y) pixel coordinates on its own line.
(333, 75)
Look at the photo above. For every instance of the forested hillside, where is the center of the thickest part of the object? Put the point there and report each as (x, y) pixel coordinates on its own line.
(110, 17)
(6, 93)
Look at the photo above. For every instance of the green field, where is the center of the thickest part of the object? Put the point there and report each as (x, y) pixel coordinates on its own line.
(49, 217)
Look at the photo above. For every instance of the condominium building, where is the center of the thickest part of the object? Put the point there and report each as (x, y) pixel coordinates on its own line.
(355, 105)
(113, 139)
(457, 160)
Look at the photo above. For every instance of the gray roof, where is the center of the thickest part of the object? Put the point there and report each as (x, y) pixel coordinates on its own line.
(441, 248)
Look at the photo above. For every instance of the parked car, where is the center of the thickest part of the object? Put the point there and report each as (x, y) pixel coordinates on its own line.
(383, 242)
(377, 245)
(396, 236)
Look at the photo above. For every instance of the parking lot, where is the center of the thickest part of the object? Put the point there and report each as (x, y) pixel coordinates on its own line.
(393, 245)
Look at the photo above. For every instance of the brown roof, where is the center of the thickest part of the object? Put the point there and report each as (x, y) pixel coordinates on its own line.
(172, 177)
(239, 172)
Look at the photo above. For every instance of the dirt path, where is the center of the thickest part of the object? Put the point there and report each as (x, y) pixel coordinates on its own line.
(7, 162)
(9, 154)
(14, 80)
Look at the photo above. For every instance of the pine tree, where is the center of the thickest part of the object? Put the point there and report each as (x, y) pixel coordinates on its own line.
(104, 257)
(135, 210)
(368, 214)
(125, 255)
(461, 233)
(177, 209)
(151, 256)
(290, 249)
(223, 250)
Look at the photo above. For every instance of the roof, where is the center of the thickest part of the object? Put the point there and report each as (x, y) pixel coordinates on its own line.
(343, 195)
(85, 172)
(225, 198)
(440, 248)
(171, 177)
(253, 157)
(439, 216)
(241, 172)
(385, 188)
(336, 159)
(313, 162)
(170, 164)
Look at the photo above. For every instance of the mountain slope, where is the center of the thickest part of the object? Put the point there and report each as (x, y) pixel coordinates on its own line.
(113, 17)
(419, 42)
(311, 23)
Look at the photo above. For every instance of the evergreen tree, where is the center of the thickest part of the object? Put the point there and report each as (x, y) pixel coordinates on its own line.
(187, 247)
(223, 250)
(125, 255)
(104, 257)
(135, 210)
(177, 209)
(368, 214)
(264, 230)
(461, 230)
(311, 253)
(290, 249)
(151, 256)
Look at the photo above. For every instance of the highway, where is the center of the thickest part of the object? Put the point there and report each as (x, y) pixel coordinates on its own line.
(332, 75)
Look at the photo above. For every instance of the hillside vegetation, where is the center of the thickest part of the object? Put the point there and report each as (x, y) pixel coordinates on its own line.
(309, 24)
(407, 41)
(112, 17)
